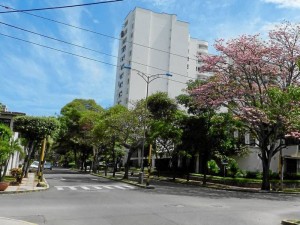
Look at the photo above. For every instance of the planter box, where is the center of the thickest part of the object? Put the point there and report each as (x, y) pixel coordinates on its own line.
(3, 186)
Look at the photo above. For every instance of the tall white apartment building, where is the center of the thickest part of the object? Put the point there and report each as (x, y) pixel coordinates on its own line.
(155, 43)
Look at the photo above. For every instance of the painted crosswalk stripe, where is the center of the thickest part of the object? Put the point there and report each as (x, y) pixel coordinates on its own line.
(127, 186)
(60, 188)
(85, 188)
(97, 187)
(73, 188)
(108, 187)
(120, 187)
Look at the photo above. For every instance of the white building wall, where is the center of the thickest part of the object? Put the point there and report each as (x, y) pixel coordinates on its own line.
(252, 162)
(150, 31)
(14, 158)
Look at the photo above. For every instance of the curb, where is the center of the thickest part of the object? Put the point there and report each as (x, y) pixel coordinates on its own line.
(26, 191)
(15, 222)
(289, 222)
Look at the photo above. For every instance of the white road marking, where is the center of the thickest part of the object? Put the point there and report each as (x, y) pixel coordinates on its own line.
(120, 187)
(97, 187)
(91, 187)
(108, 187)
(85, 188)
(73, 188)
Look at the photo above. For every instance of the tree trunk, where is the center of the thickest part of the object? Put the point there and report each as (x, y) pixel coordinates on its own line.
(5, 166)
(31, 146)
(174, 166)
(95, 159)
(114, 157)
(205, 169)
(126, 171)
(187, 169)
(265, 185)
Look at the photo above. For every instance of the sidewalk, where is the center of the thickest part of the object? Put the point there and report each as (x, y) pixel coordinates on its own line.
(27, 185)
(7, 221)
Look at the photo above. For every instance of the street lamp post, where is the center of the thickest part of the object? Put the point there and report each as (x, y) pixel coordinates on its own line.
(148, 79)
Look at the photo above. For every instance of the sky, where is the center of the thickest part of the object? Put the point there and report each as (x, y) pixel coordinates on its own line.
(39, 81)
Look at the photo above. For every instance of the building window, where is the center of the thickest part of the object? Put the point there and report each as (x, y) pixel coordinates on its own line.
(125, 24)
(122, 58)
(123, 33)
(131, 35)
(132, 26)
(128, 81)
(121, 84)
(187, 66)
(120, 94)
(121, 76)
(119, 102)
(124, 40)
(130, 53)
(124, 48)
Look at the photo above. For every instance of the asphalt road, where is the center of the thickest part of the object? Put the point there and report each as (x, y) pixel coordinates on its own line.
(82, 199)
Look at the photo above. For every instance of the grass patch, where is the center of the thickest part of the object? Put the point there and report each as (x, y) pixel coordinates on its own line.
(9, 179)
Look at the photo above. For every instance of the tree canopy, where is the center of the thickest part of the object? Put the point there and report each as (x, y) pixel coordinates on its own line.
(254, 80)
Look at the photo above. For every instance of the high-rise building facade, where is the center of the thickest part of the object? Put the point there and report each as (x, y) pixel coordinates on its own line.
(155, 43)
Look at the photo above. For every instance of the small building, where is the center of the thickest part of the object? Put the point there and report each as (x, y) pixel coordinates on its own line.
(289, 158)
(7, 118)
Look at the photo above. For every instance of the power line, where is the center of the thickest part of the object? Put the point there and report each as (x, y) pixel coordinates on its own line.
(83, 47)
(59, 50)
(69, 53)
(98, 33)
(58, 7)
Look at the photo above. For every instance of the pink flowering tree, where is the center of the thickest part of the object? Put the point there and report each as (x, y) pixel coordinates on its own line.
(258, 81)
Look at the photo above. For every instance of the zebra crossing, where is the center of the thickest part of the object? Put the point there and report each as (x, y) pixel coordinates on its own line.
(94, 187)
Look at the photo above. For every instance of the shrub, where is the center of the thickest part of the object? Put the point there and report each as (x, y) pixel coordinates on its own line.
(213, 167)
(241, 174)
(232, 167)
(16, 172)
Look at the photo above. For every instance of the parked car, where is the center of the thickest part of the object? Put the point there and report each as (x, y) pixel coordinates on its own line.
(35, 165)
(48, 166)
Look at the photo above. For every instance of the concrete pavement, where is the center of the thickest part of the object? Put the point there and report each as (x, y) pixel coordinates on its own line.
(27, 185)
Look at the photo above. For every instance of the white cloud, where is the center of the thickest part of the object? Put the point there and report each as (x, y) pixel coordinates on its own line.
(285, 3)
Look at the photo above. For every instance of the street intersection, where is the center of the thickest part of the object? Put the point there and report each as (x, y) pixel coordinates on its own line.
(74, 199)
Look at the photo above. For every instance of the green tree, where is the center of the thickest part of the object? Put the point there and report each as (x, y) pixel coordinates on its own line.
(34, 130)
(74, 135)
(165, 132)
(5, 150)
(206, 133)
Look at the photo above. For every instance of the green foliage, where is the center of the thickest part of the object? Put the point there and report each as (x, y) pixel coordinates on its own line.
(16, 172)
(232, 167)
(5, 150)
(36, 128)
(213, 167)
(161, 106)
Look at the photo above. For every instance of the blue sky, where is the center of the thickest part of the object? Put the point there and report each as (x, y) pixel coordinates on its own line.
(40, 81)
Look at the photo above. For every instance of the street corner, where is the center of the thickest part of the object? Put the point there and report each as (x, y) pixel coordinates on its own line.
(8, 221)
